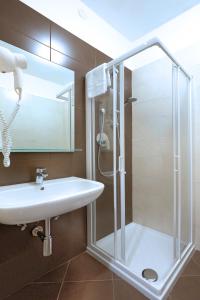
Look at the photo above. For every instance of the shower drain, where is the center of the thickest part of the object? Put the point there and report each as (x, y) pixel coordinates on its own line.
(150, 275)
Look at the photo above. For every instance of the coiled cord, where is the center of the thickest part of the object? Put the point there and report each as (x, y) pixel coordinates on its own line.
(5, 132)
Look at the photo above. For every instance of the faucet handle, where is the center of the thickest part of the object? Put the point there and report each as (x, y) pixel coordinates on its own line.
(42, 171)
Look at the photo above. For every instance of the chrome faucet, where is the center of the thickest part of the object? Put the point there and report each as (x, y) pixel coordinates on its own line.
(41, 174)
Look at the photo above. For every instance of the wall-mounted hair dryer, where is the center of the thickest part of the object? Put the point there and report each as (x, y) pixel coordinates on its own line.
(10, 62)
(13, 62)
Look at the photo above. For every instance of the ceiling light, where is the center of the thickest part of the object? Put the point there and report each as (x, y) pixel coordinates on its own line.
(82, 14)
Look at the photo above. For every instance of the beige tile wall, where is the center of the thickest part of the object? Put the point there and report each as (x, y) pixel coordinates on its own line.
(196, 153)
(152, 144)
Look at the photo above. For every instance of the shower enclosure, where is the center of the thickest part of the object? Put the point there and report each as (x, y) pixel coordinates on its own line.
(139, 146)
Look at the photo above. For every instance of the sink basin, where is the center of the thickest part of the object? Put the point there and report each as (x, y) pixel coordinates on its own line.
(26, 203)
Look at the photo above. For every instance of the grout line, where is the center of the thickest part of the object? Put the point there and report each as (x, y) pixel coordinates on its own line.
(190, 276)
(77, 256)
(58, 266)
(43, 44)
(113, 287)
(88, 280)
(61, 285)
(44, 282)
(13, 28)
(195, 261)
(13, 294)
(51, 270)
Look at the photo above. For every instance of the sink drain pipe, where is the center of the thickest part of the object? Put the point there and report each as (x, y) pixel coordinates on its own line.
(44, 236)
(47, 243)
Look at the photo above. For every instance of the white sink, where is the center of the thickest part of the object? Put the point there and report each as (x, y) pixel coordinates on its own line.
(26, 203)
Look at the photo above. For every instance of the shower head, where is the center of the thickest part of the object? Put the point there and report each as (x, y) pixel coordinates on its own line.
(102, 111)
(130, 100)
(13, 62)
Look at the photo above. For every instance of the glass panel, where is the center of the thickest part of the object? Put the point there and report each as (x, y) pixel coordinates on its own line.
(122, 171)
(108, 206)
(149, 235)
(104, 171)
(184, 159)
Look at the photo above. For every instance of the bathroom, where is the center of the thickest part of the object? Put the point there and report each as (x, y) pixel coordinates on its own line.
(126, 158)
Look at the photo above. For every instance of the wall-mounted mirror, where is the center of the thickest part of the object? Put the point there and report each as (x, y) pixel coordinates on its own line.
(45, 121)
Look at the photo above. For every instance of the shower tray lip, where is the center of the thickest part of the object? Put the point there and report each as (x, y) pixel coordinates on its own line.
(146, 288)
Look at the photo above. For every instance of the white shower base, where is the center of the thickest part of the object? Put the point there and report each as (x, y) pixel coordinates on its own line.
(145, 248)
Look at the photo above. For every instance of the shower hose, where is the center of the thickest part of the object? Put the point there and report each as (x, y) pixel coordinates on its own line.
(5, 132)
(104, 173)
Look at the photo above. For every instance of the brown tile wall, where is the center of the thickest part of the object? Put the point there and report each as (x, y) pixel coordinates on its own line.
(21, 259)
(128, 146)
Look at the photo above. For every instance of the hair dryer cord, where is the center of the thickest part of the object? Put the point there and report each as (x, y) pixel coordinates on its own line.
(5, 133)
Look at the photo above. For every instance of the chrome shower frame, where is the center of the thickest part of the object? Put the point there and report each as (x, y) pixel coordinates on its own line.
(114, 263)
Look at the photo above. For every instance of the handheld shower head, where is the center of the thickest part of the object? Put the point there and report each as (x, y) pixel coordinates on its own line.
(102, 111)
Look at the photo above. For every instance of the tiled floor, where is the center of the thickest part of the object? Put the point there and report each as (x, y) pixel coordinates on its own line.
(83, 278)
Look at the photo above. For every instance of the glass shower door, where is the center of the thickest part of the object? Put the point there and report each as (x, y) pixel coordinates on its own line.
(150, 235)
(108, 235)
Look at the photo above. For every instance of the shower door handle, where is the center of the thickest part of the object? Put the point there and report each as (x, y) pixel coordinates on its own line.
(121, 165)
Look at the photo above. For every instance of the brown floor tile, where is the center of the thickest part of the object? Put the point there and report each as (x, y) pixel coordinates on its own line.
(124, 291)
(187, 288)
(54, 276)
(41, 291)
(116, 277)
(85, 267)
(196, 257)
(87, 290)
(191, 269)
(87, 279)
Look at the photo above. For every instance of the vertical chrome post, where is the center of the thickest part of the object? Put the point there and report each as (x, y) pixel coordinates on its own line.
(190, 157)
(175, 160)
(93, 129)
(89, 162)
(115, 156)
(122, 164)
(177, 163)
(178, 167)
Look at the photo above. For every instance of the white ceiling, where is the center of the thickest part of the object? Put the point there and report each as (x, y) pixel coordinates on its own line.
(135, 18)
